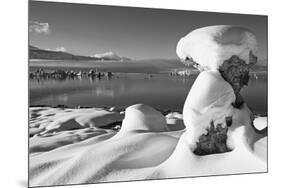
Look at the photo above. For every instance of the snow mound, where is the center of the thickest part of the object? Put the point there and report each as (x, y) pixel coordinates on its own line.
(145, 118)
(260, 123)
(99, 118)
(48, 120)
(210, 46)
(175, 121)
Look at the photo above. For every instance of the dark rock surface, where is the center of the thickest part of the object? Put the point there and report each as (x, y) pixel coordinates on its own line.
(212, 142)
(236, 72)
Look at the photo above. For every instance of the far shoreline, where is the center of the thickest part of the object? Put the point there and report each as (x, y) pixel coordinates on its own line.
(163, 111)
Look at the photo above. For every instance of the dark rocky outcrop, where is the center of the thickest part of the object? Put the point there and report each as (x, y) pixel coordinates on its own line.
(214, 141)
(236, 72)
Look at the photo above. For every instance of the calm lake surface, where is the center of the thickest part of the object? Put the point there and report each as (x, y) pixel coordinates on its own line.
(158, 90)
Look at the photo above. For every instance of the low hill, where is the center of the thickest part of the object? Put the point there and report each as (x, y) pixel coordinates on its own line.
(37, 53)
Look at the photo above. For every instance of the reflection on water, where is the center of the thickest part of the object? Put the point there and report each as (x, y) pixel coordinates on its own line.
(158, 90)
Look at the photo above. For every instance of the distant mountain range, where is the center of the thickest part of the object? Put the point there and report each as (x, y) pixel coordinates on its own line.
(111, 56)
(37, 53)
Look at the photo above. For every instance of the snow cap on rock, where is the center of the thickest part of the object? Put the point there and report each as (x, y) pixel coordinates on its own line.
(211, 46)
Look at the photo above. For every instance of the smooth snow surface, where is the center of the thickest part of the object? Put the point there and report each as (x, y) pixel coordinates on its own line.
(144, 148)
(210, 46)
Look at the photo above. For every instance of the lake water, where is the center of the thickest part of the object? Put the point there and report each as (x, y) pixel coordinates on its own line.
(158, 90)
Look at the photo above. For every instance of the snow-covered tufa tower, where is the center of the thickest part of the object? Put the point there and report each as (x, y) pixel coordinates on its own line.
(224, 55)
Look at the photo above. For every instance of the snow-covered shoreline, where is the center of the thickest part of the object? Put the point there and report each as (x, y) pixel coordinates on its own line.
(69, 146)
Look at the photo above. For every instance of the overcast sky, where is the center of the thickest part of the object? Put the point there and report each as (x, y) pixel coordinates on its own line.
(132, 32)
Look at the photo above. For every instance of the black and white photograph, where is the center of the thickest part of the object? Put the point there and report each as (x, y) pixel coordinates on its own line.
(119, 94)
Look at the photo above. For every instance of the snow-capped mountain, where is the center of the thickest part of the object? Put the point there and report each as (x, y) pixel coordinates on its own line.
(110, 56)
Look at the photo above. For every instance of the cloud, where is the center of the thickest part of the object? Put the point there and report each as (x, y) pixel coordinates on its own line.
(39, 27)
(60, 49)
